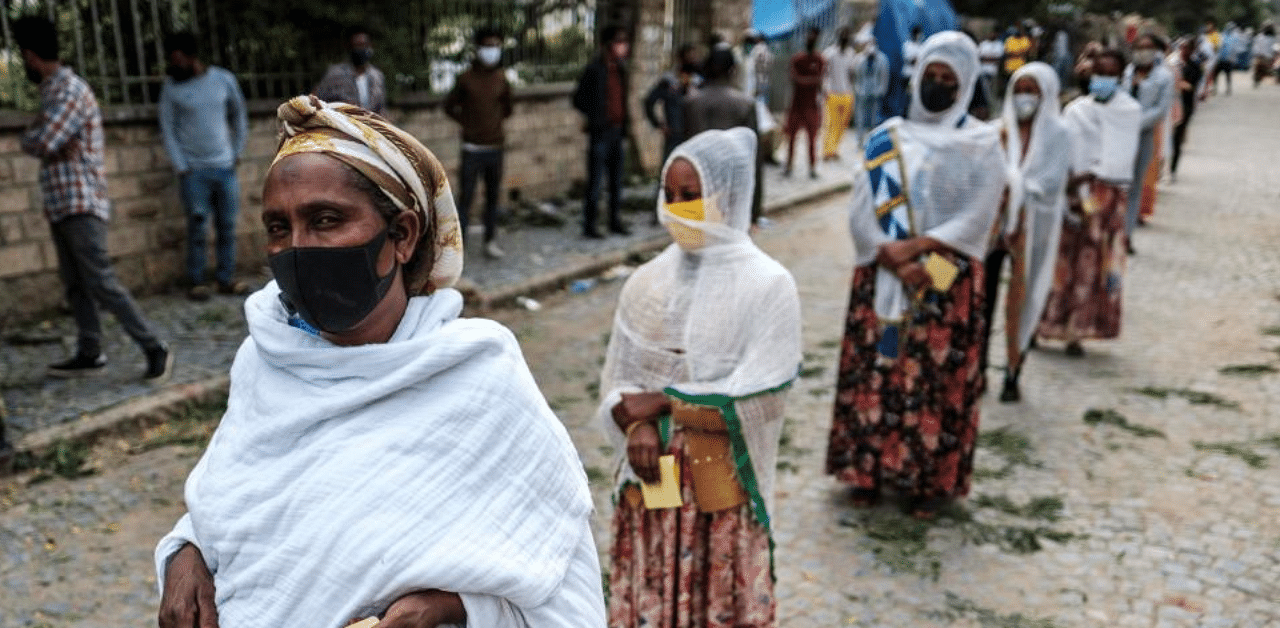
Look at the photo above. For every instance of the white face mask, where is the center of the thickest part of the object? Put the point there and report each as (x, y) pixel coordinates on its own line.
(1144, 57)
(1026, 105)
(489, 55)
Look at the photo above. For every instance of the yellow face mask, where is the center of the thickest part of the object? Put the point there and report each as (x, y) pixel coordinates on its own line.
(687, 237)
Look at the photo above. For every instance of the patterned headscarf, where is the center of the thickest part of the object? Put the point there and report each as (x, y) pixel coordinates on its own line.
(405, 170)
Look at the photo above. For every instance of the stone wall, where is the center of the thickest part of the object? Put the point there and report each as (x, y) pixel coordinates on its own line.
(146, 240)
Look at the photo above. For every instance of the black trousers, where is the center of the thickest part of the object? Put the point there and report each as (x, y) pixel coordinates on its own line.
(474, 164)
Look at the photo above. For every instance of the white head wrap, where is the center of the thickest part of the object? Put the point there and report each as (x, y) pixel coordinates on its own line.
(722, 320)
(405, 170)
(955, 50)
(1037, 186)
(725, 163)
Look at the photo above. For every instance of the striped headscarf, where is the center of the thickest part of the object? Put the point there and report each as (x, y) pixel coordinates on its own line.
(405, 170)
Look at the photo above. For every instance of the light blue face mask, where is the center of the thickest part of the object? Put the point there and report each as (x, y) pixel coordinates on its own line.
(1103, 87)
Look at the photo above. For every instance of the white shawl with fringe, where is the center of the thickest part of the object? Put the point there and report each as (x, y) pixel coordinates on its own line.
(342, 478)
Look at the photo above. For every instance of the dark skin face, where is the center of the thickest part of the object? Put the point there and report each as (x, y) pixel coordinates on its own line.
(941, 73)
(681, 183)
(183, 60)
(309, 201)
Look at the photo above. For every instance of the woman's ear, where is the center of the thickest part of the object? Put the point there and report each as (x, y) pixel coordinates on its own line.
(404, 232)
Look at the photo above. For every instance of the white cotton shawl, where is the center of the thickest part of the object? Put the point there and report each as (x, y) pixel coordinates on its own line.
(1037, 189)
(731, 309)
(954, 173)
(342, 478)
(1104, 136)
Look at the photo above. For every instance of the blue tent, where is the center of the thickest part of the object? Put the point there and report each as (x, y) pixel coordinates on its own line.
(897, 17)
(780, 19)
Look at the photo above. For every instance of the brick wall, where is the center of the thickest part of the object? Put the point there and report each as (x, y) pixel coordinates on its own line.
(146, 239)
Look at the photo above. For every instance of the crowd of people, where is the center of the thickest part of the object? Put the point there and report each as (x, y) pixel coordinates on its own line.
(382, 456)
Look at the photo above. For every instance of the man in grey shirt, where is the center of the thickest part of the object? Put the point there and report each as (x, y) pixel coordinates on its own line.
(720, 105)
(205, 125)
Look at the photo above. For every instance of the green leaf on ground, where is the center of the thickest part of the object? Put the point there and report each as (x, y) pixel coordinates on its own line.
(1247, 369)
(1194, 397)
(1107, 416)
(812, 371)
(1238, 450)
(959, 607)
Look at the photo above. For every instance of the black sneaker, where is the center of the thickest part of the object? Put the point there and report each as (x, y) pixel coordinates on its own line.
(79, 366)
(159, 364)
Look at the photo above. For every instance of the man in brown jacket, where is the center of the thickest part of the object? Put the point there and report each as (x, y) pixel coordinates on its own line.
(481, 102)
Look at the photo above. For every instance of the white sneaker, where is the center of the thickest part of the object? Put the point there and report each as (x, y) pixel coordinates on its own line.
(492, 251)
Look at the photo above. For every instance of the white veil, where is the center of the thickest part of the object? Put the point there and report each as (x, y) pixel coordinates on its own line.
(1037, 188)
(722, 320)
(953, 172)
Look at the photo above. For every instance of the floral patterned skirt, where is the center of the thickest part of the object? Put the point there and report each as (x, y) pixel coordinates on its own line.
(1084, 302)
(911, 423)
(681, 568)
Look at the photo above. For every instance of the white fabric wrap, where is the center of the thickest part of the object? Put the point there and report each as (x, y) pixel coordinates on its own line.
(731, 309)
(1037, 189)
(954, 173)
(1104, 136)
(342, 478)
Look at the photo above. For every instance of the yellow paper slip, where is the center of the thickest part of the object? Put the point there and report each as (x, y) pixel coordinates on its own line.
(368, 622)
(942, 271)
(666, 493)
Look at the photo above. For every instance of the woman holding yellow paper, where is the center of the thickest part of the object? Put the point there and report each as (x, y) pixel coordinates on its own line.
(705, 342)
(924, 200)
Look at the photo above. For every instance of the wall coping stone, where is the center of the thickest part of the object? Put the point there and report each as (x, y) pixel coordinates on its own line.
(11, 119)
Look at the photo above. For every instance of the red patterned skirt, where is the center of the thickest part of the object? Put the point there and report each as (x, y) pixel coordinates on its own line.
(911, 424)
(681, 568)
(1085, 300)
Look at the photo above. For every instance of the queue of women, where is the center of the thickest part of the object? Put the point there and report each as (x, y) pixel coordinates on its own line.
(382, 457)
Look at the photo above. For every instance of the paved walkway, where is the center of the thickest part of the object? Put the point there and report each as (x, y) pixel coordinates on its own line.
(205, 336)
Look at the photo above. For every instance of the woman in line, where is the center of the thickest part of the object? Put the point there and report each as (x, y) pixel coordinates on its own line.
(379, 455)
(1104, 125)
(924, 201)
(1030, 221)
(705, 342)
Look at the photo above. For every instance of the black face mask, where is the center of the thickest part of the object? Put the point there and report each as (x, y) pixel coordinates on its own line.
(332, 288)
(180, 73)
(361, 57)
(937, 97)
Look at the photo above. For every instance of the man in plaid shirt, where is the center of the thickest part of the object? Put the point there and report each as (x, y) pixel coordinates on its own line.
(67, 138)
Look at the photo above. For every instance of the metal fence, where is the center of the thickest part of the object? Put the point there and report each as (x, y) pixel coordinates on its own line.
(281, 48)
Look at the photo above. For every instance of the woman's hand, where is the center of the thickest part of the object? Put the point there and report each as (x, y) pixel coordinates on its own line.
(425, 609)
(895, 254)
(643, 449)
(914, 276)
(187, 601)
(646, 406)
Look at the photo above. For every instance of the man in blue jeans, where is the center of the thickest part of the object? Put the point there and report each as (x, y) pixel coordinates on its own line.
(205, 126)
(602, 96)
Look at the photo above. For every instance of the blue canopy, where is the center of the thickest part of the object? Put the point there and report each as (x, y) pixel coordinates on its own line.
(773, 18)
(779, 19)
(897, 18)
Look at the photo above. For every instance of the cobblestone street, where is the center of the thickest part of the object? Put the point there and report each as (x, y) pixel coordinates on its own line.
(1136, 486)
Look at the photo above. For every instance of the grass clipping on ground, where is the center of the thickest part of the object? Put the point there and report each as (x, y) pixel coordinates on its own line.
(902, 543)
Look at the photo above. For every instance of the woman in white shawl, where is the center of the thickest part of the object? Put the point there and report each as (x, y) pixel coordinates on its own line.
(1037, 164)
(924, 200)
(705, 342)
(1088, 284)
(379, 455)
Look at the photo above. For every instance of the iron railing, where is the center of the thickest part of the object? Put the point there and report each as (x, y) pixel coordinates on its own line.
(281, 48)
